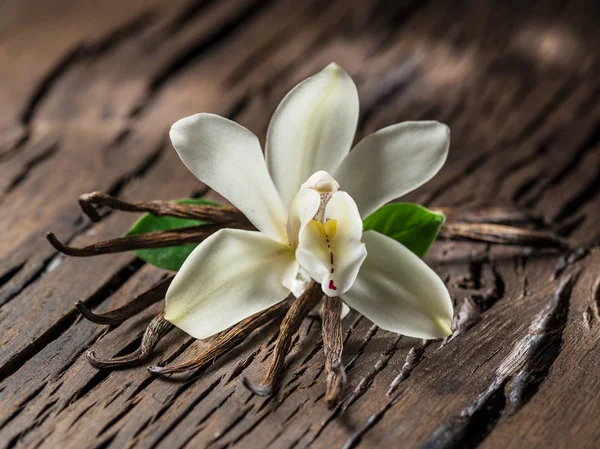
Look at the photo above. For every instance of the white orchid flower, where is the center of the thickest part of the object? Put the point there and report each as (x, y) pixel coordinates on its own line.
(306, 197)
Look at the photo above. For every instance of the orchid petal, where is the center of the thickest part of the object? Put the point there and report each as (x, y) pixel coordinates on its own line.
(228, 158)
(332, 252)
(393, 162)
(303, 209)
(306, 203)
(312, 129)
(302, 281)
(231, 275)
(398, 292)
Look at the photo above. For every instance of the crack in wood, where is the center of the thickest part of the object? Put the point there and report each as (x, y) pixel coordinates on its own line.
(542, 149)
(28, 167)
(76, 55)
(559, 173)
(284, 422)
(105, 444)
(591, 142)
(340, 37)
(516, 379)
(545, 112)
(202, 46)
(21, 406)
(591, 315)
(360, 389)
(253, 60)
(358, 435)
(586, 194)
(101, 375)
(8, 275)
(67, 320)
(122, 414)
(240, 366)
(483, 295)
(150, 161)
(118, 185)
(38, 420)
(570, 258)
(229, 427)
(475, 164)
(168, 429)
(194, 9)
(268, 408)
(82, 52)
(413, 358)
(399, 17)
(596, 299)
(13, 291)
(388, 89)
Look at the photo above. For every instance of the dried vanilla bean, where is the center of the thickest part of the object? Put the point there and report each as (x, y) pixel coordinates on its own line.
(156, 239)
(488, 214)
(487, 224)
(156, 330)
(227, 340)
(300, 308)
(139, 303)
(505, 235)
(332, 346)
(223, 215)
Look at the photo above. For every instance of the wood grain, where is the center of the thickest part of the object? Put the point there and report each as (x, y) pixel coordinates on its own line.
(88, 94)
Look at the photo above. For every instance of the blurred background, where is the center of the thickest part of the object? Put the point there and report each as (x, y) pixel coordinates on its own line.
(89, 89)
(108, 73)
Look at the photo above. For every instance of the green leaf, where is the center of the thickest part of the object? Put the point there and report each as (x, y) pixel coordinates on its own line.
(170, 258)
(414, 226)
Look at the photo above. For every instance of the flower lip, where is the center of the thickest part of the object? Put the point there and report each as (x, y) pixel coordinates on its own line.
(328, 233)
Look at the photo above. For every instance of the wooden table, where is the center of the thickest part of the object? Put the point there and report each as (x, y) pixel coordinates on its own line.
(88, 91)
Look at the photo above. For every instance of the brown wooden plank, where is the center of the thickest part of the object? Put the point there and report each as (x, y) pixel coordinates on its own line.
(517, 83)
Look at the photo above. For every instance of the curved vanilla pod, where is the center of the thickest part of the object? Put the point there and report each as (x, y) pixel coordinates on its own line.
(300, 308)
(135, 306)
(227, 340)
(148, 240)
(501, 234)
(489, 214)
(223, 215)
(156, 330)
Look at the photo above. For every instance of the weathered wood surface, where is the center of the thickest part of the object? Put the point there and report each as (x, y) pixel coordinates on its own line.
(88, 91)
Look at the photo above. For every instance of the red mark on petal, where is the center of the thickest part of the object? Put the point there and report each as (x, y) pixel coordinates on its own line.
(331, 258)
(332, 270)
(331, 285)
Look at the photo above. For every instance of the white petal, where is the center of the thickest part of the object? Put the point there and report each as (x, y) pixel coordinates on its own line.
(301, 282)
(321, 179)
(312, 129)
(306, 203)
(228, 158)
(228, 277)
(333, 253)
(392, 162)
(398, 292)
(303, 209)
